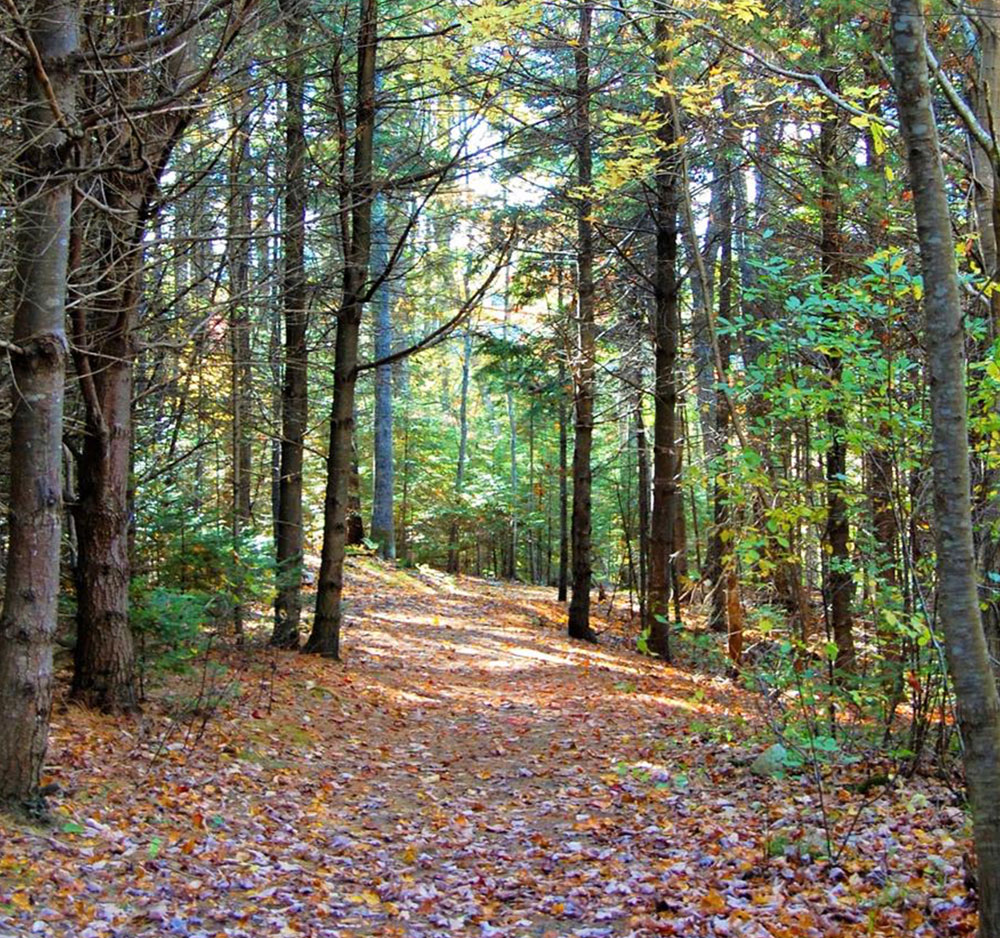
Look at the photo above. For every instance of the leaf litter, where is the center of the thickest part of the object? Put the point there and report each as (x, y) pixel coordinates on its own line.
(466, 771)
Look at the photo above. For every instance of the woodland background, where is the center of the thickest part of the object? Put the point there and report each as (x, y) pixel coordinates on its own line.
(580, 295)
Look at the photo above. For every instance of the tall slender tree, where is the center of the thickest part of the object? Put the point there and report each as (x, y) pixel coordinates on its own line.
(585, 348)
(383, 529)
(38, 355)
(715, 565)
(107, 298)
(454, 564)
(239, 226)
(136, 113)
(325, 636)
(838, 585)
(666, 329)
(295, 387)
(978, 704)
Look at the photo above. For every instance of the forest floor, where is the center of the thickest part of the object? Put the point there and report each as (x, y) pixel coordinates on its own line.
(466, 771)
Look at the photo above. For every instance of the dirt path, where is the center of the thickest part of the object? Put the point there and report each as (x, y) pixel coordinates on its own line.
(466, 771)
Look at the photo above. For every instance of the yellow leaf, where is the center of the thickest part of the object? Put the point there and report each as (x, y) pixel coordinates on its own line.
(878, 136)
(367, 897)
(713, 902)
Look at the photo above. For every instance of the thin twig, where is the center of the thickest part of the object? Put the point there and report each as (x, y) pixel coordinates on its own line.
(40, 72)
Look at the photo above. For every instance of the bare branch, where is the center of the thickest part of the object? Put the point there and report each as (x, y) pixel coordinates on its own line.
(443, 331)
(976, 130)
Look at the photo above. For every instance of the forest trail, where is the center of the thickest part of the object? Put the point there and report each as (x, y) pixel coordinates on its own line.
(466, 771)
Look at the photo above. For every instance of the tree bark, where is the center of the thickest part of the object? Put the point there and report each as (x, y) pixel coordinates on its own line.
(986, 103)
(104, 323)
(701, 336)
(838, 588)
(666, 329)
(985, 95)
(355, 522)
(512, 447)
(645, 491)
(239, 225)
(563, 584)
(28, 623)
(382, 528)
(325, 636)
(295, 387)
(463, 443)
(104, 667)
(978, 705)
(879, 461)
(721, 534)
(586, 344)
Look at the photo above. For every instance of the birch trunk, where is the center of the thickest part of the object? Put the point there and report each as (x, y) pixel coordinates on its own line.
(978, 706)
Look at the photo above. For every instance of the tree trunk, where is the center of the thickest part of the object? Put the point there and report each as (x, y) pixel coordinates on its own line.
(325, 636)
(645, 491)
(978, 706)
(985, 94)
(533, 542)
(463, 443)
(103, 675)
(239, 224)
(512, 446)
(880, 464)
(701, 333)
(277, 368)
(563, 585)
(838, 588)
(734, 619)
(986, 102)
(295, 387)
(586, 345)
(679, 548)
(31, 581)
(104, 662)
(355, 523)
(511, 570)
(382, 528)
(666, 328)
(403, 547)
(721, 534)
(104, 323)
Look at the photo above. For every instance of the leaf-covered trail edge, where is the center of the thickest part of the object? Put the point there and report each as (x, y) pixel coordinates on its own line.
(466, 771)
